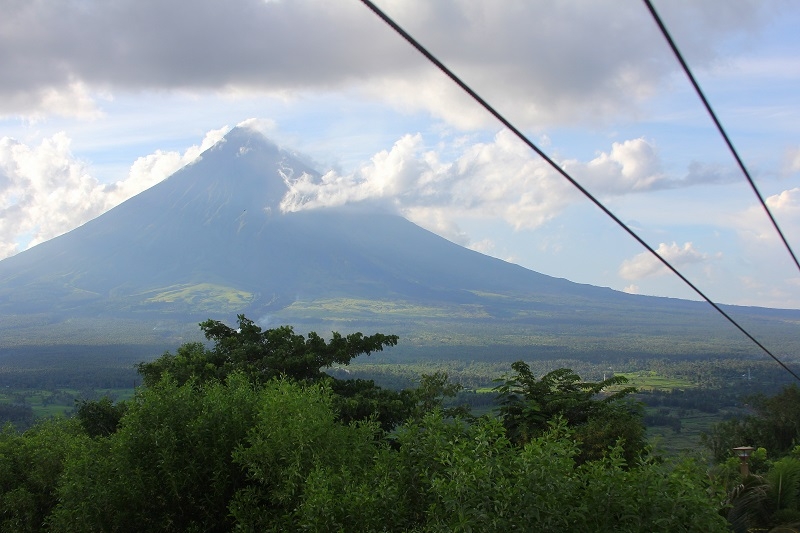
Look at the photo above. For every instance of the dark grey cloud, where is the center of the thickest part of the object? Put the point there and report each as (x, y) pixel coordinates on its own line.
(546, 61)
(195, 44)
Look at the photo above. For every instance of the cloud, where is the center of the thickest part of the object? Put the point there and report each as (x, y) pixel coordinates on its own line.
(785, 208)
(792, 161)
(73, 99)
(631, 289)
(263, 126)
(439, 222)
(148, 170)
(46, 191)
(634, 166)
(779, 291)
(786, 202)
(500, 179)
(645, 265)
(755, 228)
(484, 246)
(630, 166)
(546, 62)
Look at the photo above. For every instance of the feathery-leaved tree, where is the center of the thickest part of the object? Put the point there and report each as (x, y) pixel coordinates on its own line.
(261, 354)
(600, 418)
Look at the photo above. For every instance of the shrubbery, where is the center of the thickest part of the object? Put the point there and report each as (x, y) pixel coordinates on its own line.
(233, 447)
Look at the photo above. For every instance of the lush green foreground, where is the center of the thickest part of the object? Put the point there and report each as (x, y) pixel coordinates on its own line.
(274, 431)
(251, 435)
(229, 455)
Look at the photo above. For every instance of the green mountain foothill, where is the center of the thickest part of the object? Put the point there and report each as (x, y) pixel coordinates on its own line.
(211, 241)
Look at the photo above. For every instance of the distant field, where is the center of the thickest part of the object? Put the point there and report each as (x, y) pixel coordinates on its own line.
(203, 296)
(669, 442)
(651, 380)
(684, 396)
(46, 403)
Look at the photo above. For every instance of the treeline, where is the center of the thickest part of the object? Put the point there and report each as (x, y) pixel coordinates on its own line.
(767, 498)
(702, 399)
(72, 366)
(251, 435)
(84, 367)
(20, 415)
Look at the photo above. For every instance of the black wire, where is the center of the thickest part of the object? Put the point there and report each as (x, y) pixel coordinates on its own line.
(383, 16)
(719, 127)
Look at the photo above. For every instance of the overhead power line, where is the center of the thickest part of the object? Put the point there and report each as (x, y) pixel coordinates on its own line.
(721, 130)
(475, 96)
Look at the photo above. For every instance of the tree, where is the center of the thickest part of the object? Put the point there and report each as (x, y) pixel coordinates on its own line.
(774, 426)
(212, 457)
(528, 406)
(448, 475)
(233, 454)
(280, 352)
(765, 502)
(261, 355)
(100, 418)
(31, 465)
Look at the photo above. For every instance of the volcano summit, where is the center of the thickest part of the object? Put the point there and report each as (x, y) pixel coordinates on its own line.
(211, 241)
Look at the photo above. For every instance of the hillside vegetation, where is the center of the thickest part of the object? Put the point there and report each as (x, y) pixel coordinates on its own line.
(250, 434)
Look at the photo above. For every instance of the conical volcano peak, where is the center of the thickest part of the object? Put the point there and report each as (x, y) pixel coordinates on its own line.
(243, 139)
(246, 138)
(242, 172)
(211, 241)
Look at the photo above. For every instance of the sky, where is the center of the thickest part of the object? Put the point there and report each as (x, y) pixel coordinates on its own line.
(101, 100)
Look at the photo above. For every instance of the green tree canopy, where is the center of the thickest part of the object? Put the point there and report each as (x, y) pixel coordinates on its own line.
(100, 418)
(775, 425)
(600, 418)
(236, 454)
(261, 355)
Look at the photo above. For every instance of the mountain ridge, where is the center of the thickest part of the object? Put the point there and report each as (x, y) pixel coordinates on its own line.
(211, 241)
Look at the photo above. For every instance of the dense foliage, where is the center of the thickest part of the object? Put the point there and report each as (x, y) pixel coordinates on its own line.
(774, 425)
(529, 405)
(769, 501)
(265, 355)
(261, 355)
(768, 498)
(273, 457)
(250, 435)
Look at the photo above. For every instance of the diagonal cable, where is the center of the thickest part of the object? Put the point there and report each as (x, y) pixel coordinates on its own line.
(721, 130)
(450, 74)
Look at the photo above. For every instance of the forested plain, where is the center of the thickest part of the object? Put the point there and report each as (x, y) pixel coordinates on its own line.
(270, 430)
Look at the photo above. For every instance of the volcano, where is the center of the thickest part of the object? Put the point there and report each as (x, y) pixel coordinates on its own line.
(211, 241)
(215, 228)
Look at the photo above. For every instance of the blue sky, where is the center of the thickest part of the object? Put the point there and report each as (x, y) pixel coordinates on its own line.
(100, 100)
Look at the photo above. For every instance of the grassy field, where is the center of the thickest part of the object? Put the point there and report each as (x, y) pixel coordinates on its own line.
(687, 441)
(46, 403)
(203, 296)
(652, 380)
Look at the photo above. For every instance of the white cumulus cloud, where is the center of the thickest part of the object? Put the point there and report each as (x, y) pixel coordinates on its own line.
(630, 166)
(46, 191)
(645, 265)
(501, 179)
(631, 289)
(754, 226)
(148, 170)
